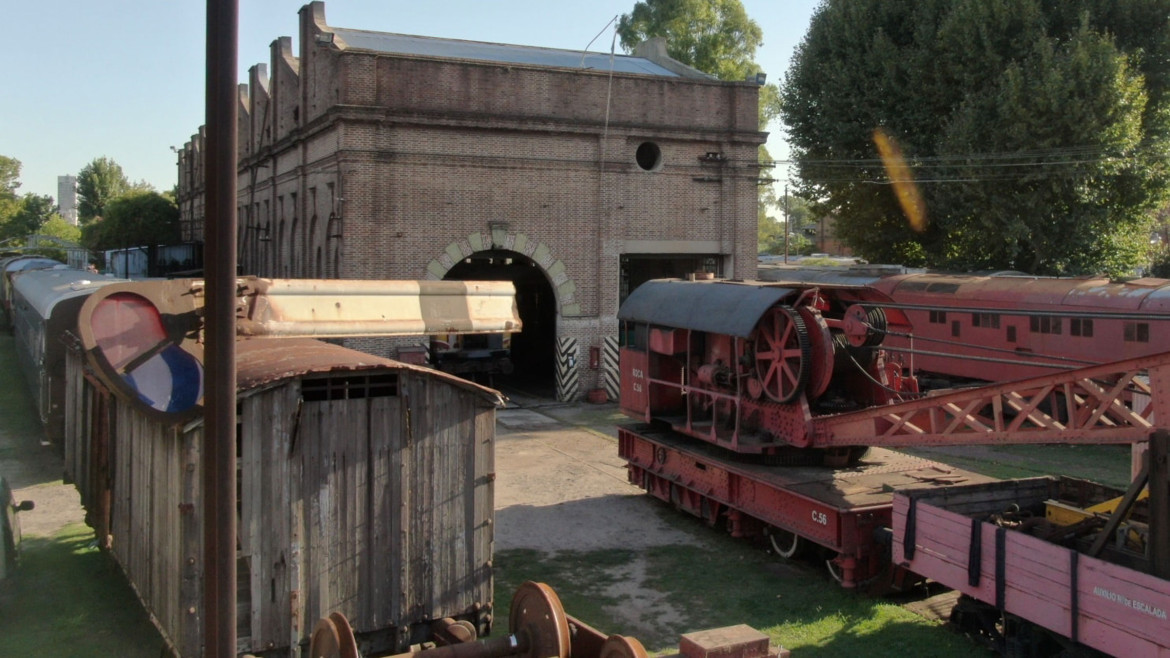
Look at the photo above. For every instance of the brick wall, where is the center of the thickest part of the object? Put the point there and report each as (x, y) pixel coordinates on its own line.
(421, 162)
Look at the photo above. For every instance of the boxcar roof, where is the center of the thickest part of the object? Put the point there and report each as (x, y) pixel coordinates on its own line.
(264, 361)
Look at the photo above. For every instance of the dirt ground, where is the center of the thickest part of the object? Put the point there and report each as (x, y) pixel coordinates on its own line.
(560, 487)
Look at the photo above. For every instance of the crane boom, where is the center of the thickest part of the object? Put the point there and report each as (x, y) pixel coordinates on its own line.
(1093, 405)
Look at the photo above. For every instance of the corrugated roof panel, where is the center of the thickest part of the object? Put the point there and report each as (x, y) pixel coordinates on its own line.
(717, 307)
(406, 44)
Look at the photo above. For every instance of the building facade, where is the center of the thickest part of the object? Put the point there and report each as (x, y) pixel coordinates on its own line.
(578, 176)
(67, 198)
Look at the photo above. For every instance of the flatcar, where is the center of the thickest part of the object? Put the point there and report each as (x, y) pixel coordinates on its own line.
(757, 402)
(45, 303)
(1006, 325)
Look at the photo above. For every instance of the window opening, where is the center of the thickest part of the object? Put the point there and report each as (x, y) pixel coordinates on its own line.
(352, 387)
(648, 156)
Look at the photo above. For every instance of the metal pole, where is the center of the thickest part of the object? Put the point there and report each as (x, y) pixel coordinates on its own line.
(787, 229)
(219, 419)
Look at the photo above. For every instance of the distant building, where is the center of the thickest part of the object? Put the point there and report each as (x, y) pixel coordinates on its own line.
(67, 198)
(576, 175)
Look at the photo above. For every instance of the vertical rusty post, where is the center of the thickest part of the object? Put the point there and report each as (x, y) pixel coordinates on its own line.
(219, 419)
(1160, 503)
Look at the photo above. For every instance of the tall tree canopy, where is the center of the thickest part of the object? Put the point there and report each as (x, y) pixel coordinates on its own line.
(32, 212)
(714, 36)
(1033, 131)
(9, 182)
(98, 183)
(136, 219)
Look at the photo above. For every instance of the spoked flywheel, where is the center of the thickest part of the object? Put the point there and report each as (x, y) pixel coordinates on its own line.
(783, 354)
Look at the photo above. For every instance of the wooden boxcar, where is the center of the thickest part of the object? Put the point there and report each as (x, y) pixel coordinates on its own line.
(365, 486)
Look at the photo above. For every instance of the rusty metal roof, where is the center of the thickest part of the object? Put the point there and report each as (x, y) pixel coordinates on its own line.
(406, 44)
(720, 307)
(265, 361)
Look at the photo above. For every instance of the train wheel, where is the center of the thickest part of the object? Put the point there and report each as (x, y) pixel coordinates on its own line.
(786, 544)
(783, 354)
(333, 638)
(538, 617)
(620, 646)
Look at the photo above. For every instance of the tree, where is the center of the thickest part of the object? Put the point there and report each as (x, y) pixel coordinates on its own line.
(139, 219)
(714, 36)
(796, 223)
(1032, 131)
(9, 182)
(31, 213)
(57, 227)
(98, 183)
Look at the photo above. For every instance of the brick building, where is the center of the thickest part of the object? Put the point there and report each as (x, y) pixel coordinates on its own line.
(371, 155)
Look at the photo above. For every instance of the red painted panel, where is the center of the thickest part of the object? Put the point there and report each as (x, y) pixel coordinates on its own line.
(1122, 611)
(633, 399)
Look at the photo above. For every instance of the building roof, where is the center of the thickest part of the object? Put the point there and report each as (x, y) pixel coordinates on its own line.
(405, 44)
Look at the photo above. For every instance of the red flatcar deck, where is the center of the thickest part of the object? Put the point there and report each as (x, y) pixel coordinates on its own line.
(837, 508)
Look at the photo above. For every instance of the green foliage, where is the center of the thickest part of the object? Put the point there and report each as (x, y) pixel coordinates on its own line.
(9, 182)
(31, 213)
(57, 227)
(1160, 266)
(98, 183)
(144, 218)
(771, 225)
(1034, 130)
(716, 37)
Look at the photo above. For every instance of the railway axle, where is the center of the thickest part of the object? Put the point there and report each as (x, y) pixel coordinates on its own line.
(539, 628)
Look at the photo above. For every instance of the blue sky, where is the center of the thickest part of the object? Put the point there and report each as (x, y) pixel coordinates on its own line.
(125, 78)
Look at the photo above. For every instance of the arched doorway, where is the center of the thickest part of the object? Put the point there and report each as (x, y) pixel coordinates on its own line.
(533, 349)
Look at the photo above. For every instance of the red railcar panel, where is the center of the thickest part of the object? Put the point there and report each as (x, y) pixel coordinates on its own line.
(838, 509)
(1117, 609)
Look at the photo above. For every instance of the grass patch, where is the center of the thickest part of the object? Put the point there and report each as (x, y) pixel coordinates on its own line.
(15, 402)
(724, 582)
(1105, 464)
(67, 598)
